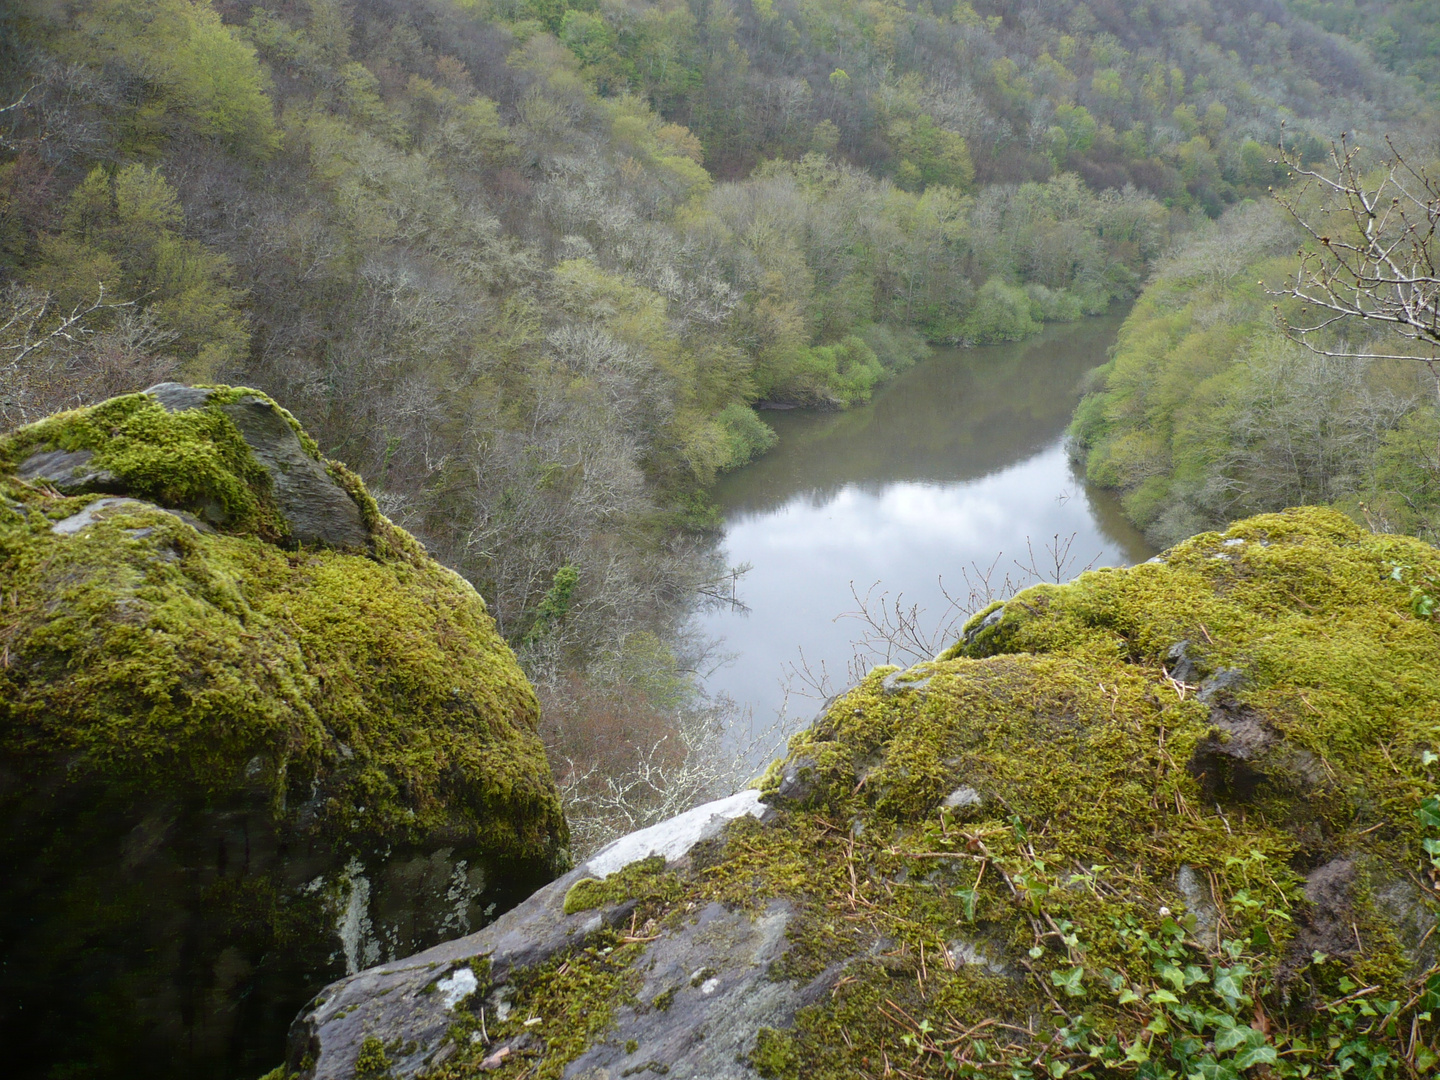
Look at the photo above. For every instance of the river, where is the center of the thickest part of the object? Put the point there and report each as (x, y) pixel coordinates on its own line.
(958, 465)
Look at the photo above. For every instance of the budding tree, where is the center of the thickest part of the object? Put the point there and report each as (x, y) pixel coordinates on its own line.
(1373, 258)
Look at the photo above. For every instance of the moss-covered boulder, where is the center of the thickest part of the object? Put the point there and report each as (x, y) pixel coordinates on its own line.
(251, 737)
(1178, 820)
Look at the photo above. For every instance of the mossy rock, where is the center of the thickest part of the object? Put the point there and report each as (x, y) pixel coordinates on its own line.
(250, 735)
(1176, 820)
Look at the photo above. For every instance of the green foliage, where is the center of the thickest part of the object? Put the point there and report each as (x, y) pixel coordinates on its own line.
(1402, 36)
(1001, 313)
(123, 234)
(198, 77)
(1207, 411)
(842, 374)
(748, 435)
(555, 604)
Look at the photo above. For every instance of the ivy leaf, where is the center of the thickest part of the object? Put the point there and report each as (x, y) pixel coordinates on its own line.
(1227, 1039)
(1127, 996)
(1230, 985)
(1210, 1069)
(1263, 1054)
(968, 898)
(1431, 998)
(1174, 976)
(1070, 981)
(1429, 812)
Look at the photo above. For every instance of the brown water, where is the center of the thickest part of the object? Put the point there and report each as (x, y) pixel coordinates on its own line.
(956, 463)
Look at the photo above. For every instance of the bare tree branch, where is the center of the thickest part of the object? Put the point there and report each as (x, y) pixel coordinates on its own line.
(1374, 258)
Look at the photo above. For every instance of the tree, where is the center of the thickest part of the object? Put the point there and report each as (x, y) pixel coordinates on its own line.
(1373, 259)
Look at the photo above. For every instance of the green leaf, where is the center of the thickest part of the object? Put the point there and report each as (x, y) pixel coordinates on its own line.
(968, 898)
(1164, 997)
(1230, 984)
(1227, 1039)
(1429, 812)
(1210, 1069)
(1127, 996)
(1263, 1054)
(1431, 998)
(1070, 981)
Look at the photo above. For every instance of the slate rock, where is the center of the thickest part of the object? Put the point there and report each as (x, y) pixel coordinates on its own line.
(67, 471)
(317, 509)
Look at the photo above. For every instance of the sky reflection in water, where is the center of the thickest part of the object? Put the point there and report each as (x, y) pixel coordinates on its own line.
(959, 461)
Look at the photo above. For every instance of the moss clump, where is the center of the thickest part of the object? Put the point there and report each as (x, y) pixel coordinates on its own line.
(640, 879)
(1207, 841)
(588, 893)
(372, 1063)
(306, 706)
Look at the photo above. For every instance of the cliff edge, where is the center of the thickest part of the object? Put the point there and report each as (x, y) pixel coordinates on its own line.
(1175, 820)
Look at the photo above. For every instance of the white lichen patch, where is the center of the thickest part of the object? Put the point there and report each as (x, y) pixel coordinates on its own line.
(354, 928)
(460, 985)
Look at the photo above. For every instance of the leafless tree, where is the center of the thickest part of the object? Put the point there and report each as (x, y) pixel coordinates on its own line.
(1374, 258)
(53, 359)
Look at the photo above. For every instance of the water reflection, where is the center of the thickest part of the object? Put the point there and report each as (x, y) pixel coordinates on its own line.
(957, 462)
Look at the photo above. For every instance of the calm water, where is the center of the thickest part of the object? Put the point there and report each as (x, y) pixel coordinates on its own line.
(956, 462)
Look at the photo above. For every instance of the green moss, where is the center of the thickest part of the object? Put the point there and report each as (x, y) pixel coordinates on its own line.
(644, 878)
(372, 1063)
(661, 1001)
(573, 997)
(377, 685)
(589, 893)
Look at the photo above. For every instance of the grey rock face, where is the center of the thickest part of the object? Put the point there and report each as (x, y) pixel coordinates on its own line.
(797, 783)
(177, 397)
(987, 624)
(68, 472)
(1182, 663)
(963, 798)
(899, 682)
(1224, 684)
(711, 977)
(102, 508)
(318, 509)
